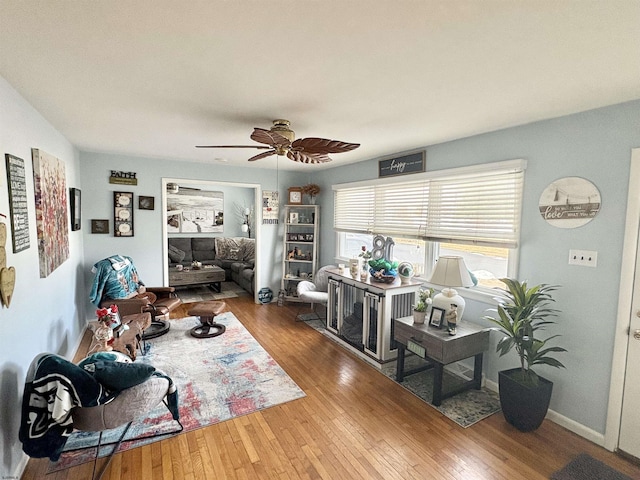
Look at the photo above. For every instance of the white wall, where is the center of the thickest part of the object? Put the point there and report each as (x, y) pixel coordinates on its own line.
(595, 145)
(46, 314)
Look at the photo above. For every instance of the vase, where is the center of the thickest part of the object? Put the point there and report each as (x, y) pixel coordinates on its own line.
(418, 317)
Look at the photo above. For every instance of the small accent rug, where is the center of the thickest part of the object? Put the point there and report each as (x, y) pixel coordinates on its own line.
(203, 293)
(585, 467)
(465, 408)
(217, 378)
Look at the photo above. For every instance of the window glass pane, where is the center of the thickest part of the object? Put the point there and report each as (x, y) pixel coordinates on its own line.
(488, 264)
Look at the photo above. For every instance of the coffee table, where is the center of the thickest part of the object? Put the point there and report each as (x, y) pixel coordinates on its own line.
(208, 275)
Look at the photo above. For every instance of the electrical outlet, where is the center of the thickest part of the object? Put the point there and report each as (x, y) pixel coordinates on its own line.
(584, 258)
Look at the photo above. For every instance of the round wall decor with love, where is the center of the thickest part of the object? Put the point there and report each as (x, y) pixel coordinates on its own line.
(569, 202)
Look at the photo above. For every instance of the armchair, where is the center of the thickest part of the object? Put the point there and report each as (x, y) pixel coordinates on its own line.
(117, 282)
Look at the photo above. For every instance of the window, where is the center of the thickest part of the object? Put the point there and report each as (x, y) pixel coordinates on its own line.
(473, 212)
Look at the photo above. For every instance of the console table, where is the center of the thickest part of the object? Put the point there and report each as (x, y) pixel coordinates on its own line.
(360, 313)
(436, 345)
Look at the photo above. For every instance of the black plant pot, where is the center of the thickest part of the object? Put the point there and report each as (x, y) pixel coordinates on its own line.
(523, 406)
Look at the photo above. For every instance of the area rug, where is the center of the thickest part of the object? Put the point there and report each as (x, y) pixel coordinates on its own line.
(465, 408)
(203, 293)
(585, 467)
(218, 379)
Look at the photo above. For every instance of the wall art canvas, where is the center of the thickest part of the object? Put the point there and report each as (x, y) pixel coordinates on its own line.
(195, 211)
(270, 207)
(18, 203)
(52, 217)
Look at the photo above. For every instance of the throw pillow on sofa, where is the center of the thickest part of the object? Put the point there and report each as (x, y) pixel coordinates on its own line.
(224, 247)
(247, 250)
(175, 254)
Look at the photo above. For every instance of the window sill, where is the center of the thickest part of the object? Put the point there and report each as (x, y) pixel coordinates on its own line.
(479, 294)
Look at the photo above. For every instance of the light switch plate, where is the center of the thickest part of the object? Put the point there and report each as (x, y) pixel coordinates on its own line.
(584, 258)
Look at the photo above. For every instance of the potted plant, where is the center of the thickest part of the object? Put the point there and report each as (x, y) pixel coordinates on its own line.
(312, 190)
(522, 313)
(420, 308)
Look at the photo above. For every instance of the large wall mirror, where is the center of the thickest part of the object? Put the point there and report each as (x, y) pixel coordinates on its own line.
(209, 224)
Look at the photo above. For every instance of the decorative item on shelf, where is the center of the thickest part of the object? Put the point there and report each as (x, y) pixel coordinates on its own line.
(196, 265)
(405, 272)
(382, 266)
(452, 319)
(366, 256)
(295, 195)
(312, 190)
(354, 267)
(451, 271)
(103, 333)
(522, 313)
(420, 308)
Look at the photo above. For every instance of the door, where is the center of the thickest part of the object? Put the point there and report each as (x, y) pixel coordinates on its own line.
(629, 439)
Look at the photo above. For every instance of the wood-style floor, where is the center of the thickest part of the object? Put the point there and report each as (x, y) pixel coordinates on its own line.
(354, 423)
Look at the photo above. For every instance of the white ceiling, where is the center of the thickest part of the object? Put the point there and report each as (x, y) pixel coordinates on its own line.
(154, 78)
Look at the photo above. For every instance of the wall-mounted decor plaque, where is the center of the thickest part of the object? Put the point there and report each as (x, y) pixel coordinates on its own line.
(18, 203)
(414, 163)
(569, 202)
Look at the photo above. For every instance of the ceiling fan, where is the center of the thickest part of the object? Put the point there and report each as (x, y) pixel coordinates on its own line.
(280, 141)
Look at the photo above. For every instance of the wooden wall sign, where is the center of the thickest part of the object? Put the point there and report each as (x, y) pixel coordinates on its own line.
(123, 178)
(18, 203)
(414, 163)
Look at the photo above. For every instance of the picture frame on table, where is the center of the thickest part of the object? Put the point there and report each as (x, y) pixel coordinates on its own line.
(436, 317)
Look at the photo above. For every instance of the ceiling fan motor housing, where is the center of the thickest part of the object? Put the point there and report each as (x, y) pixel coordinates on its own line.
(281, 127)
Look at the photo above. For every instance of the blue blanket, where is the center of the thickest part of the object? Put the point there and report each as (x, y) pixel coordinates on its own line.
(115, 277)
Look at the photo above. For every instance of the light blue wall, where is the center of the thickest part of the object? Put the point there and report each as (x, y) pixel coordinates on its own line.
(46, 314)
(595, 145)
(145, 247)
(49, 314)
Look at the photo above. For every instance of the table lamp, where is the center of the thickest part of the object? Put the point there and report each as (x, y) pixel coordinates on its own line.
(450, 271)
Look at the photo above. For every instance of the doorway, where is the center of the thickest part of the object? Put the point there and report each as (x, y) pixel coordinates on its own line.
(225, 218)
(623, 423)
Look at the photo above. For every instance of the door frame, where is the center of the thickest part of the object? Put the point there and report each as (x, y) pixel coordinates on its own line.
(625, 299)
(257, 218)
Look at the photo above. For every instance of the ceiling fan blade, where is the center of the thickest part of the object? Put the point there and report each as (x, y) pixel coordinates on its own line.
(270, 138)
(303, 157)
(262, 155)
(230, 146)
(322, 145)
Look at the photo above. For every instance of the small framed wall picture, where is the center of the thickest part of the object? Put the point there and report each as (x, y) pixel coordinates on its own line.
(74, 194)
(436, 317)
(295, 196)
(99, 226)
(146, 203)
(123, 214)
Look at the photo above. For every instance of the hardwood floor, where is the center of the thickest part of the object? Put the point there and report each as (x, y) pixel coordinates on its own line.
(354, 423)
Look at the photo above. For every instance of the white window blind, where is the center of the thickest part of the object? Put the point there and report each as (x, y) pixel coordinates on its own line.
(481, 206)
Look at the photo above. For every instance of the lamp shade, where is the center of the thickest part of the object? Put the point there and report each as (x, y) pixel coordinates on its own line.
(245, 227)
(450, 272)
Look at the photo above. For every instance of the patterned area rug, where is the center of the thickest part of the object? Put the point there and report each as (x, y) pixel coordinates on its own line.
(465, 409)
(202, 293)
(218, 379)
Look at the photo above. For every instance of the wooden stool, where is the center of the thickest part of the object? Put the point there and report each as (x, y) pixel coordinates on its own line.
(206, 313)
